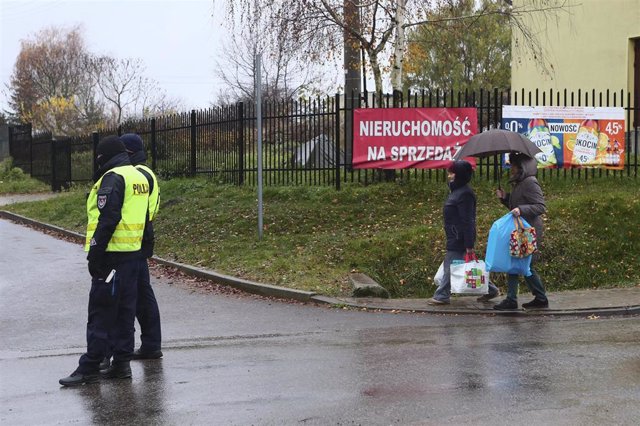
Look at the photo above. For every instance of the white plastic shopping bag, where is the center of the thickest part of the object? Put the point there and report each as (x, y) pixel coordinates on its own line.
(470, 277)
(437, 279)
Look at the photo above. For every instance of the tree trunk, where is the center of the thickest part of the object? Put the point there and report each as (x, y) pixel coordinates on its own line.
(398, 53)
(377, 74)
(387, 175)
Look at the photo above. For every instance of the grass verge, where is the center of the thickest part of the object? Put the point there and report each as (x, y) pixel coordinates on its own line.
(14, 181)
(313, 237)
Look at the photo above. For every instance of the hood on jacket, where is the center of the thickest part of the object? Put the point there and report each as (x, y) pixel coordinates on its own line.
(528, 166)
(107, 148)
(135, 147)
(110, 153)
(463, 172)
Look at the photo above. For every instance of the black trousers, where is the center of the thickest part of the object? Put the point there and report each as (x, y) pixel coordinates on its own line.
(147, 311)
(112, 311)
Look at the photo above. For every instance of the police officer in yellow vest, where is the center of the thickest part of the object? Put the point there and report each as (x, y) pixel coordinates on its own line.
(147, 311)
(117, 211)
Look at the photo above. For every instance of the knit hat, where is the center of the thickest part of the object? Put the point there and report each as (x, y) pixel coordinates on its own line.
(462, 170)
(108, 147)
(132, 142)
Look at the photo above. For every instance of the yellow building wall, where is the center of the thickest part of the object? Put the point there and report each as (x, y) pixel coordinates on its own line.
(587, 45)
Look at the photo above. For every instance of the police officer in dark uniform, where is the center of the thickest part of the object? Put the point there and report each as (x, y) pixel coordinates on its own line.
(116, 210)
(147, 311)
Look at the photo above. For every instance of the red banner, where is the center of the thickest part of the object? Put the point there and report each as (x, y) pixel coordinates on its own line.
(403, 138)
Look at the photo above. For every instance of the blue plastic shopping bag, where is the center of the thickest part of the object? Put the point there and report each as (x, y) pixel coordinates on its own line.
(498, 258)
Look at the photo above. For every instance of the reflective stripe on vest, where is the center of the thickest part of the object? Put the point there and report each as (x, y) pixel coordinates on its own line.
(128, 234)
(154, 196)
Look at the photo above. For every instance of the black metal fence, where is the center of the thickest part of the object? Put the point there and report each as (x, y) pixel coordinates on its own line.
(305, 142)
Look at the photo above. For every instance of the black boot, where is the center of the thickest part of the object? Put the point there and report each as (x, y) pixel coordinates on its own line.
(118, 370)
(536, 304)
(506, 305)
(142, 354)
(76, 379)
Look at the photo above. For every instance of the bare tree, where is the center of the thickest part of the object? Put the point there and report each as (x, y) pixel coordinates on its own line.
(155, 101)
(126, 90)
(49, 83)
(119, 81)
(59, 86)
(284, 74)
(320, 25)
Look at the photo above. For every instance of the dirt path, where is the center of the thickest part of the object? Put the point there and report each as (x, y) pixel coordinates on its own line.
(19, 198)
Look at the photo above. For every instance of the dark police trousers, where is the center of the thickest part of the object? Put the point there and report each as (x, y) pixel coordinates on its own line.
(147, 312)
(112, 311)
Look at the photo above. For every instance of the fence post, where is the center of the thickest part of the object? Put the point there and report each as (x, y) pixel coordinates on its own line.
(10, 136)
(95, 138)
(154, 148)
(193, 142)
(30, 150)
(240, 120)
(337, 124)
(53, 165)
(67, 156)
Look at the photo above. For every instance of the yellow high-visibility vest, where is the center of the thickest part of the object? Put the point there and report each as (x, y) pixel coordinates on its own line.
(154, 196)
(128, 234)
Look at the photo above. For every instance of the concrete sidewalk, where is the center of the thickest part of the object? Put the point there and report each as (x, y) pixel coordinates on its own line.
(598, 302)
(595, 302)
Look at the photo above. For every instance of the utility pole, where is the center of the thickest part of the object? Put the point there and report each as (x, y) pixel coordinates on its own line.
(258, 84)
(351, 72)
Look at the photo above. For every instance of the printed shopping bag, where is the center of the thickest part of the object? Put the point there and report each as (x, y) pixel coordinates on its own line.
(497, 256)
(437, 279)
(523, 241)
(469, 277)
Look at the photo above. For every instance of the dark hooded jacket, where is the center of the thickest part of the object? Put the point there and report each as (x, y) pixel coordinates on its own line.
(112, 187)
(133, 144)
(526, 193)
(460, 209)
(148, 240)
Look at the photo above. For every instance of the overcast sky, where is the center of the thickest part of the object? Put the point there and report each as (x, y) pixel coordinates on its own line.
(178, 40)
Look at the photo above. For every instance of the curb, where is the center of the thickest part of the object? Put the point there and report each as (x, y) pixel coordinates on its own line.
(600, 312)
(25, 220)
(269, 290)
(239, 283)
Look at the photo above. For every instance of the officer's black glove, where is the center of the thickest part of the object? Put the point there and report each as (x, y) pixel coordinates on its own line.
(97, 269)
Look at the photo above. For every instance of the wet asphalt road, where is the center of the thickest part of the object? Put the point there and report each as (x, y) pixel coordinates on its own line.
(239, 359)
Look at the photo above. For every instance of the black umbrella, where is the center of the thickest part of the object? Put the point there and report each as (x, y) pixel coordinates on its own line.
(497, 141)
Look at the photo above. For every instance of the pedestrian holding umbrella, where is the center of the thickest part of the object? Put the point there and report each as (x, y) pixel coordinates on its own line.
(497, 141)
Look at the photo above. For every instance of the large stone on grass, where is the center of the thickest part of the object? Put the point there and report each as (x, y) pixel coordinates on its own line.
(365, 286)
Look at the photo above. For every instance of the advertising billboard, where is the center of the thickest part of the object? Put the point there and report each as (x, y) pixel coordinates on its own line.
(400, 138)
(571, 136)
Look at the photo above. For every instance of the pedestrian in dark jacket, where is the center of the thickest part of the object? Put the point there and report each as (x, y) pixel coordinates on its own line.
(459, 214)
(526, 200)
